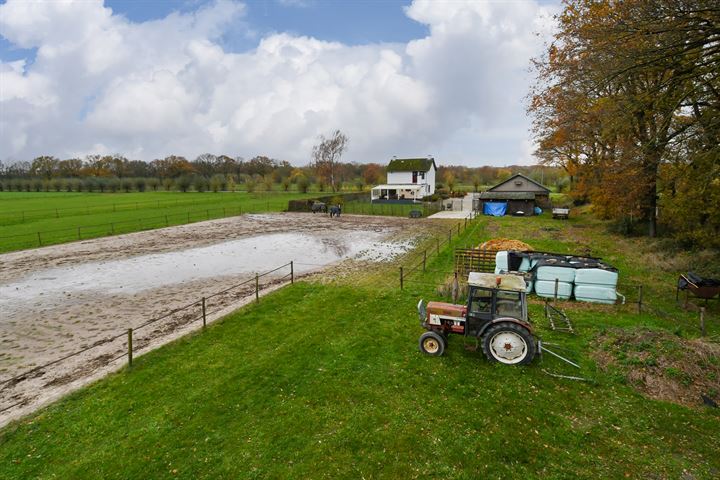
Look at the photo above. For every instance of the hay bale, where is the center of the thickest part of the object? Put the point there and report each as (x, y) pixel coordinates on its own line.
(505, 244)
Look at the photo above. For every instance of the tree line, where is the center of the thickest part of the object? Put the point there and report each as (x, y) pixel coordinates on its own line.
(208, 172)
(627, 102)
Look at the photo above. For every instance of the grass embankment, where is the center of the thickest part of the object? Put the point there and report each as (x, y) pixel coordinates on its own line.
(324, 380)
(63, 217)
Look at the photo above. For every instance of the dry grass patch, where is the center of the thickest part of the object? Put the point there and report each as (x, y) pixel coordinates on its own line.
(661, 365)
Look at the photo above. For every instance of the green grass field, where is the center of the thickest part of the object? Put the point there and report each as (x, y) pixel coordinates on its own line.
(324, 380)
(29, 220)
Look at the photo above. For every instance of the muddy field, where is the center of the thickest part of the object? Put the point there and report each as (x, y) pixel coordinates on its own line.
(61, 299)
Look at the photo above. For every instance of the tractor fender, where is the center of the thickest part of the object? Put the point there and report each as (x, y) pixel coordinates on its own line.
(508, 320)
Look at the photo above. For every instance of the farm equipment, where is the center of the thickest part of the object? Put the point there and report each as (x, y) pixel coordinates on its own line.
(495, 316)
(561, 213)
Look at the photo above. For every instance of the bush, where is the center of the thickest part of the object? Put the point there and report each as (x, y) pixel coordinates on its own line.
(184, 183)
(126, 184)
(168, 184)
(153, 183)
(250, 185)
(140, 184)
(37, 184)
(113, 184)
(200, 183)
(303, 184)
(218, 182)
(285, 184)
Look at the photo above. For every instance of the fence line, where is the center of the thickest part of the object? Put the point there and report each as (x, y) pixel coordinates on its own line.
(40, 238)
(22, 376)
(446, 240)
(24, 215)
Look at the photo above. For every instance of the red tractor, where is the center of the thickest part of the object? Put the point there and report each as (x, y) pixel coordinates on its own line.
(495, 315)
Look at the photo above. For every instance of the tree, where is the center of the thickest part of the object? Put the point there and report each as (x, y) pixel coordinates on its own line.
(327, 154)
(45, 166)
(622, 89)
(371, 173)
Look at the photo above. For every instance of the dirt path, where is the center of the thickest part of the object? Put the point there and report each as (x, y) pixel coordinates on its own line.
(60, 299)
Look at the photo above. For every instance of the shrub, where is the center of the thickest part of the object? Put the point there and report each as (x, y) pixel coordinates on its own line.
(140, 184)
(250, 185)
(37, 184)
(285, 184)
(126, 184)
(90, 184)
(168, 184)
(153, 183)
(302, 184)
(200, 183)
(218, 182)
(184, 183)
(113, 184)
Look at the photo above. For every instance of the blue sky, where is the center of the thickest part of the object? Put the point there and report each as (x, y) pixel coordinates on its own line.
(153, 78)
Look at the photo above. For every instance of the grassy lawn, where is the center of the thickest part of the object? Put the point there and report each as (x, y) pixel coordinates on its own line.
(57, 216)
(323, 380)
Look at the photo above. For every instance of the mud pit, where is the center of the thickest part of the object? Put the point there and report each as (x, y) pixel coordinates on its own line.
(60, 299)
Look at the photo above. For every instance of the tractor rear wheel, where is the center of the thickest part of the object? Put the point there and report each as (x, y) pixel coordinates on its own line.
(509, 343)
(432, 344)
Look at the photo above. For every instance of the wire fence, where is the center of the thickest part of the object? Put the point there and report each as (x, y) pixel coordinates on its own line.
(137, 339)
(22, 216)
(84, 232)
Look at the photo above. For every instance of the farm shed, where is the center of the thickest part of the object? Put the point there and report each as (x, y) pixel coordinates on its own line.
(519, 183)
(515, 201)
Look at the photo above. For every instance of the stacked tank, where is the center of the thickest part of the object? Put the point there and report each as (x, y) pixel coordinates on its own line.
(586, 279)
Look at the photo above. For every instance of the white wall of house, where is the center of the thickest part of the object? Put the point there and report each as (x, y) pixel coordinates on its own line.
(407, 177)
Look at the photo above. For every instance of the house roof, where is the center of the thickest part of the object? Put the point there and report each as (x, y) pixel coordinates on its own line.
(399, 186)
(507, 195)
(411, 164)
(521, 176)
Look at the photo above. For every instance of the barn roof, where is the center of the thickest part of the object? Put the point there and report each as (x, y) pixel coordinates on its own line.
(530, 180)
(507, 195)
(411, 164)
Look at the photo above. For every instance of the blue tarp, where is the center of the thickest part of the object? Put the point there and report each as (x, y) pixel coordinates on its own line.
(538, 211)
(496, 209)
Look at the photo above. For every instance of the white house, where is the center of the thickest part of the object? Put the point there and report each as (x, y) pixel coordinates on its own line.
(408, 179)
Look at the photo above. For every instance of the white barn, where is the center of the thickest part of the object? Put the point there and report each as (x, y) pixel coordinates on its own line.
(408, 179)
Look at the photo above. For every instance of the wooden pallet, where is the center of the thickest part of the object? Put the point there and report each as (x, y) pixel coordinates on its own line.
(474, 260)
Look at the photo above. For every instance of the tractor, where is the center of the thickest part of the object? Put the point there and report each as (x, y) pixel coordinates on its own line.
(495, 316)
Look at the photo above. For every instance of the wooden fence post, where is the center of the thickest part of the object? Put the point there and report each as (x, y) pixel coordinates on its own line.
(292, 272)
(166, 221)
(640, 298)
(455, 288)
(401, 278)
(130, 349)
(203, 312)
(557, 283)
(450, 236)
(458, 229)
(257, 288)
(39, 240)
(424, 259)
(437, 241)
(702, 321)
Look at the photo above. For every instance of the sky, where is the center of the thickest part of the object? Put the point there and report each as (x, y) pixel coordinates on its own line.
(151, 78)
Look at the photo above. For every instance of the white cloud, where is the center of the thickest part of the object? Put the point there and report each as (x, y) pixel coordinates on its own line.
(100, 81)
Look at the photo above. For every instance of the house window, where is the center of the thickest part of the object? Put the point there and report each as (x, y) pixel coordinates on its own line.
(422, 175)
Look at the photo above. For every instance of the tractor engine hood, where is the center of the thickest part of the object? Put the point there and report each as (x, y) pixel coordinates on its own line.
(446, 309)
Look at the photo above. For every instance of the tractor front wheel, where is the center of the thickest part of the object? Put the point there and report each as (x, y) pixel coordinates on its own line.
(432, 344)
(509, 343)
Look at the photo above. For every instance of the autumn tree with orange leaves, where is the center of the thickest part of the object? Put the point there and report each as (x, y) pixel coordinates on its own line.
(627, 93)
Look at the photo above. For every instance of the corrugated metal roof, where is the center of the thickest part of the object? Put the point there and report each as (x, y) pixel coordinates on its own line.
(507, 196)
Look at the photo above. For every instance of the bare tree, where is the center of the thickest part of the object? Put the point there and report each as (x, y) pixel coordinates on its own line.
(327, 154)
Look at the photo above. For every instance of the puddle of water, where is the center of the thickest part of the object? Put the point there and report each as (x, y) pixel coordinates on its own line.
(238, 257)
